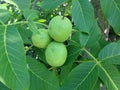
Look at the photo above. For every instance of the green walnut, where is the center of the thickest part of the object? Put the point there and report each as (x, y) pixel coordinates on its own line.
(56, 54)
(60, 28)
(41, 39)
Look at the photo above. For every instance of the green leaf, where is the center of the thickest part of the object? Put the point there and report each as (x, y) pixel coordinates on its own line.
(97, 85)
(32, 26)
(94, 35)
(25, 34)
(83, 15)
(111, 9)
(110, 76)
(41, 54)
(13, 66)
(50, 5)
(95, 49)
(83, 37)
(110, 54)
(30, 16)
(91, 38)
(73, 53)
(21, 4)
(3, 87)
(103, 42)
(83, 77)
(41, 78)
(4, 13)
(75, 40)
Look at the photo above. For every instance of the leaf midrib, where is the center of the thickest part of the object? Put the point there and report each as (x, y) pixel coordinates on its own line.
(85, 77)
(81, 12)
(108, 76)
(110, 57)
(8, 56)
(116, 5)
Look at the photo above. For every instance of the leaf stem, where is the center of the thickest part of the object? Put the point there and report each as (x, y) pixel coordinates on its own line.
(42, 24)
(91, 55)
(51, 68)
(75, 30)
(99, 64)
(22, 22)
(26, 22)
(29, 48)
(55, 72)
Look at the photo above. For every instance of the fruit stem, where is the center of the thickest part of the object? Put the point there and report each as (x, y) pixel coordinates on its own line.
(75, 30)
(55, 71)
(42, 24)
(29, 48)
(51, 68)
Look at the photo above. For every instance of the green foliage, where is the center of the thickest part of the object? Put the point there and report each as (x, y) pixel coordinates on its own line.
(3, 87)
(4, 13)
(80, 76)
(21, 4)
(25, 34)
(41, 78)
(110, 54)
(92, 57)
(73, 53)
(83, 16)
(48, 5)
(13, 66)
(112, 13)
(110, 76)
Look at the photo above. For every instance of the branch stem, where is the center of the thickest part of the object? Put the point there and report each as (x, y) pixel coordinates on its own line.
(26, 22)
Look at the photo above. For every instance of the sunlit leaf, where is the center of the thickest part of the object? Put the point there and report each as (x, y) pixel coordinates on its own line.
(4, 13)
(13, 66)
